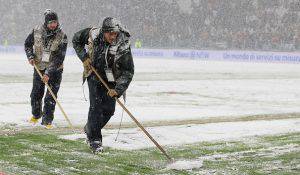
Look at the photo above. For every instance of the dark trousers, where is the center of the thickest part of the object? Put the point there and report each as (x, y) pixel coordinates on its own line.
(37, 93)
(102, 107)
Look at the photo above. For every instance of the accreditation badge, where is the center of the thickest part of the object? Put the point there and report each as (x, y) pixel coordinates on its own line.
(46, 56)
(109, 75)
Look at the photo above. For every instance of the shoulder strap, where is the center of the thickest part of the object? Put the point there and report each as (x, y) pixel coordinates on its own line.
(93, 34)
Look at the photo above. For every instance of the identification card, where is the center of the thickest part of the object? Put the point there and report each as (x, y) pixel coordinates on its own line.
(46, 56)
(109, 75)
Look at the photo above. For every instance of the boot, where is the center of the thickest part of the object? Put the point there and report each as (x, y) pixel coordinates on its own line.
(96, 146)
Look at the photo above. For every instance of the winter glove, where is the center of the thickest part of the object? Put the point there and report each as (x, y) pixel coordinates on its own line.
(112, 93)
(45, 78)
(31, 61)
(87, 63)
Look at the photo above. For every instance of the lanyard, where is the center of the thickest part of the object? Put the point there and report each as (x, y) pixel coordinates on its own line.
(49, 44)
(105, 57)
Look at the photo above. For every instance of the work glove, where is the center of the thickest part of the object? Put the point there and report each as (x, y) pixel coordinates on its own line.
(31, 61)
(87, 63)
(45, 78)
(112, 93)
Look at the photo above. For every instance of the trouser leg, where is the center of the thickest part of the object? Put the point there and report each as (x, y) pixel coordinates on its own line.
(37, 93)
(49, 102)
(101, 109)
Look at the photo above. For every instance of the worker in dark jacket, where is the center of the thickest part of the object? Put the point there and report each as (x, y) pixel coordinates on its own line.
(110, 54)
(46, 47)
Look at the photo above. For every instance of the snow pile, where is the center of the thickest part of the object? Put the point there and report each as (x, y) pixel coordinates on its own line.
(134, 138)
(185, 165)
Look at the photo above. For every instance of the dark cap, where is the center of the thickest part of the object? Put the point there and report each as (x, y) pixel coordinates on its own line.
(50, 15)
(110, 25)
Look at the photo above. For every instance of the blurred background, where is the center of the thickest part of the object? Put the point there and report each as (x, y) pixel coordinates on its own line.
(262, 25)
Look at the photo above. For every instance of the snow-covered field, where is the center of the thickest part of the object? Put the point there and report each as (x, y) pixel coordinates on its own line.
(164, 90)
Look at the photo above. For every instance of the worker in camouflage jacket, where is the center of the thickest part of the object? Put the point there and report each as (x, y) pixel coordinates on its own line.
(108, 51)
(46, 47)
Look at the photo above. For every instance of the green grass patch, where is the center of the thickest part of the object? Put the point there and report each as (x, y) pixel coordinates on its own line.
(45, 153)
